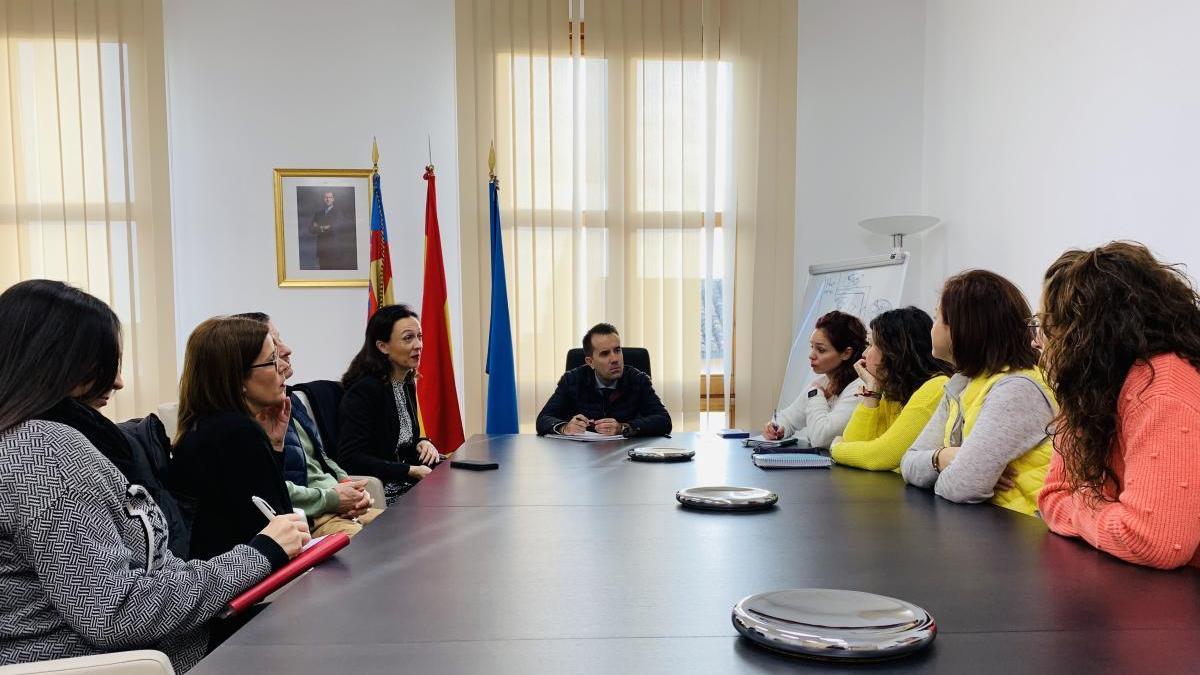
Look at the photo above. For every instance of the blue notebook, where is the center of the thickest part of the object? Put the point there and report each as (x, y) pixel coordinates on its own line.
(791, 460)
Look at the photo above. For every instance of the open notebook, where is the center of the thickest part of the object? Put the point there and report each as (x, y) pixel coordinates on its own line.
(791, 460)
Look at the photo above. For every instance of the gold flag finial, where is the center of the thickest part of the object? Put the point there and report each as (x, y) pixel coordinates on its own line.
(375, 152)
(492, 162)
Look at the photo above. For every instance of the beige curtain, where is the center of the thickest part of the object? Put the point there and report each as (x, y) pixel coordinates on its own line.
(640, 148)
(83, 170)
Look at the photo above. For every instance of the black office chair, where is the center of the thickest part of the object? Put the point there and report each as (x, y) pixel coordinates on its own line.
(638, 357)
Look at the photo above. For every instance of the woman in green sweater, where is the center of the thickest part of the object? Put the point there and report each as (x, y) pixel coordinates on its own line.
(902, 387)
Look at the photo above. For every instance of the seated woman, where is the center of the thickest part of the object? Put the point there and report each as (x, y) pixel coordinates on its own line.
(988, 439)
(820, 414)
(233, 415)
(315, 483)
(380, 434)
(1121, 337)
(902, 388)
(85, 559)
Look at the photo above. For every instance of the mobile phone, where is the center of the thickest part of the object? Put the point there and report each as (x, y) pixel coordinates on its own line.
(474, 464)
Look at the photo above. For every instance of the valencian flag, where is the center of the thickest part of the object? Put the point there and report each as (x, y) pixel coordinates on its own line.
(381, 260)
(502, 375)
(436, 392)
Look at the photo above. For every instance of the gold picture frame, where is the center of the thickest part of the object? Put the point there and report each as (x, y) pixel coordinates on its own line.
(323, 226)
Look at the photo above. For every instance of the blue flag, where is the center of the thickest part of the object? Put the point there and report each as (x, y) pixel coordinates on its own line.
(502, 373)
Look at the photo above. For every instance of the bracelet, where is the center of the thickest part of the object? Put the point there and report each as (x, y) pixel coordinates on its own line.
(937, 453)
(867, 393)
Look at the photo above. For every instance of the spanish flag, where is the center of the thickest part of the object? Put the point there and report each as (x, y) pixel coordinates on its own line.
(437, 394)
(380, 275)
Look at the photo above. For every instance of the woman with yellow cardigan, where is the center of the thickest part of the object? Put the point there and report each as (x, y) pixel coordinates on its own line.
(989, 439)
(902, 387)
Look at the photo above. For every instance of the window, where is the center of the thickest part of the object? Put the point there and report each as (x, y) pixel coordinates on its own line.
(75, 178)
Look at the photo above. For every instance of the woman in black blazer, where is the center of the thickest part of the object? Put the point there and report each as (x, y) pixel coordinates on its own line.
(379, 433)
(233, 415)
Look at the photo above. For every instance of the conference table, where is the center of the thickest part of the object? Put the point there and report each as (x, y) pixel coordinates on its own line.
(570, 558)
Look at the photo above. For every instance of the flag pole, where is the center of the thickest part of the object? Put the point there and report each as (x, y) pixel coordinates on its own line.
(492, 165)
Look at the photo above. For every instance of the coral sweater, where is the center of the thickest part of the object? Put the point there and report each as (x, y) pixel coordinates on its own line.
(1155, 519)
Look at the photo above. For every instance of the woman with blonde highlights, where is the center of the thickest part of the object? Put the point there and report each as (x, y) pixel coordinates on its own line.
(233, 415)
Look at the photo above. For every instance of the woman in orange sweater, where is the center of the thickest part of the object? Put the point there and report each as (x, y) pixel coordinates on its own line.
(1121, 345)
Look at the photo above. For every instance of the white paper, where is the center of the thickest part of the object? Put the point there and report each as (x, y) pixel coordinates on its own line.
(311, 543)
(760, 439)
(588, 437)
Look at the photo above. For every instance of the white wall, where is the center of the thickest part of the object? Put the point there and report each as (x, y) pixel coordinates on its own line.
(1056, 124)
(253, 86)
(859, 126)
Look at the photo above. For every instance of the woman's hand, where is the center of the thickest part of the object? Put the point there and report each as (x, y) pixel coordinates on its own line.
(274, 420)
(418, 471)
(427, 453)
(946, 456)
(290, 531)
(869, 381)
(772, 431)
(1007, 480)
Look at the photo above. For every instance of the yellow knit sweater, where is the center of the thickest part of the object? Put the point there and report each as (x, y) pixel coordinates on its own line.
(876, 438)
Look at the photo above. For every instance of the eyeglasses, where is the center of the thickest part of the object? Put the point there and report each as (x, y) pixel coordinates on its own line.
(275, 362)
(1037, 325)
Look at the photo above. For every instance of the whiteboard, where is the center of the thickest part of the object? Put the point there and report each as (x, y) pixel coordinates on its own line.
(864, 287)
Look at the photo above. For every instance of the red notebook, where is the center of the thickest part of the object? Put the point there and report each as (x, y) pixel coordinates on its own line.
(315, 554)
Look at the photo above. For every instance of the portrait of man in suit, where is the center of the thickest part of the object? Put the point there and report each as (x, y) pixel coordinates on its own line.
(327, 223)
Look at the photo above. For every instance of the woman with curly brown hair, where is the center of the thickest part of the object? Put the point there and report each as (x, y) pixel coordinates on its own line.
(1121, 345)
(988, 440)
(902, 388)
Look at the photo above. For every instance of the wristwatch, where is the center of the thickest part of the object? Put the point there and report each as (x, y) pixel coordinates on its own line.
(628, 429)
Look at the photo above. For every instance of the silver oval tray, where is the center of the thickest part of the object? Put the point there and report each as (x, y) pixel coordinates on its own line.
(834, 624)
(726, 498)
(646, 454)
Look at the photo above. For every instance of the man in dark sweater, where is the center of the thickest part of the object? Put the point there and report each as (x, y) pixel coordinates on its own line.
(603, 395)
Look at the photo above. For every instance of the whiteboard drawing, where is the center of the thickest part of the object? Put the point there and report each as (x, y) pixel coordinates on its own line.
(864, 292)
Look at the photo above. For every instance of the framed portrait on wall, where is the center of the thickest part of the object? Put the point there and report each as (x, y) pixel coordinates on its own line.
(323, 226)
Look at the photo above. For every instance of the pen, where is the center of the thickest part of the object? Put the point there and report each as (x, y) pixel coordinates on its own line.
(264, 507)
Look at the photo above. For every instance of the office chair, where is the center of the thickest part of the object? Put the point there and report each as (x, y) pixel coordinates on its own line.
(637, 357)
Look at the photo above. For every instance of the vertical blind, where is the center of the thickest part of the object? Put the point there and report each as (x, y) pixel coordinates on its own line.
(627, 135)
(83, 179)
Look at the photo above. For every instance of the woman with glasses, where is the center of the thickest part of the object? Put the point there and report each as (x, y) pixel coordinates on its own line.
(902, 387)
(233, 416)
(1121, 335)
(380, 433)
(988, 440)
(86, 568)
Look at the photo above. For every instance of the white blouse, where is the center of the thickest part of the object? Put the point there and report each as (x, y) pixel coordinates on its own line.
(818, 420)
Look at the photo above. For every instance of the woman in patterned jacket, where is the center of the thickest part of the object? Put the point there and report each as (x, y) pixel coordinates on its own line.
(84, 564)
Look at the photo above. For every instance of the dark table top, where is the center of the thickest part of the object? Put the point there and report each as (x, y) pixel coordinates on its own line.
(571, 558)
